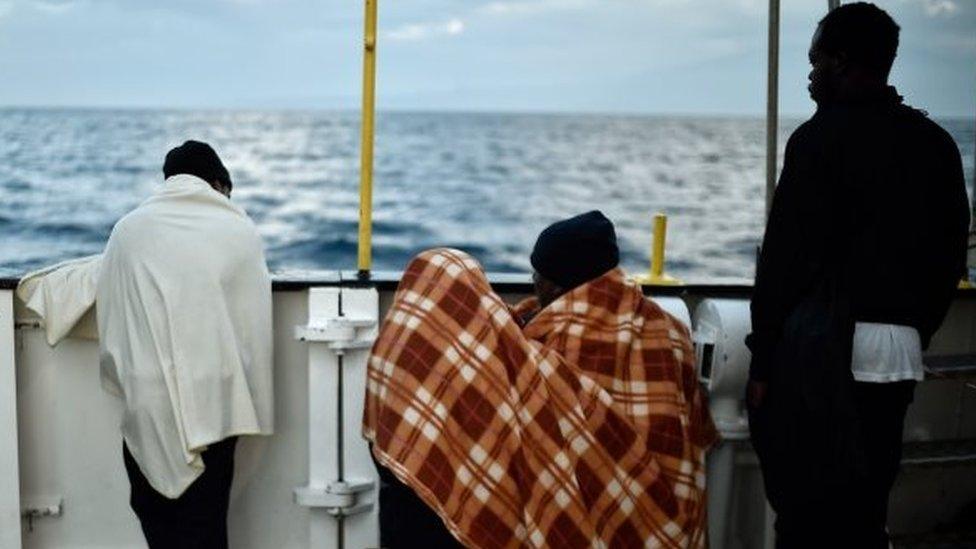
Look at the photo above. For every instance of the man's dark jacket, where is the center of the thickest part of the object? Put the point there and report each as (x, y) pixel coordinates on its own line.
(872, 193)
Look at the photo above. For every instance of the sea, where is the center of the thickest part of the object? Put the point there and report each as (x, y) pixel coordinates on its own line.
(486, 183)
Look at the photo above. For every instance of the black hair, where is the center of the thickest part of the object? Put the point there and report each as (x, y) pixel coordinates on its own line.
(864, 32)
(199, 159)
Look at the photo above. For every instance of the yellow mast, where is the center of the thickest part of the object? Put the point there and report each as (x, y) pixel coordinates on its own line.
(366, 151)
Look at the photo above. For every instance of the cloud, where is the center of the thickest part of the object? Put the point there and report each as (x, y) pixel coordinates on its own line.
(935, 8)
(423, 31)
(524, 7)
(56, 7)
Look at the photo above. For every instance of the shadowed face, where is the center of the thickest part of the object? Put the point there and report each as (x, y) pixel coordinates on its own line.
(546, 291)
(825, 74)
(221, 188)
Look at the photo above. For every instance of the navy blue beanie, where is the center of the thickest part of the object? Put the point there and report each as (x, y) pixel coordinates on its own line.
(199, 159)
(576, 250)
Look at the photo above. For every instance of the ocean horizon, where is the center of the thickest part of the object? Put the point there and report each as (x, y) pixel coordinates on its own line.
(484, 182)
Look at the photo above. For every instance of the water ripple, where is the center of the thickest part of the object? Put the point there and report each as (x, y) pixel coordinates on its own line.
(485, 183)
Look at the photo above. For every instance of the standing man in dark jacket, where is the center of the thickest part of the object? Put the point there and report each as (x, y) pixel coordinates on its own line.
(865, 245)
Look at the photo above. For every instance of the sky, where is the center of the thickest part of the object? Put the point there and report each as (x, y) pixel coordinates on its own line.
(640, 56)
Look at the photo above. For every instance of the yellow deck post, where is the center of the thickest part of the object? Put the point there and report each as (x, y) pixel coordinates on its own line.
(657, 246)
(656, 274)
(365, 260)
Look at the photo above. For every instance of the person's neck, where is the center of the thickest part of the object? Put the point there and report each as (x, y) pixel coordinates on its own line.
(866, 91)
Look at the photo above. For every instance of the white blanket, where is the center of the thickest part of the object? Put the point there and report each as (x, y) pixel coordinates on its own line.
(62, 296)
(184, 318)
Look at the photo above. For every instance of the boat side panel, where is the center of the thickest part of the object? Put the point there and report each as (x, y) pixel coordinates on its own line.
(9, 460)
(263, 513)
(71, 447)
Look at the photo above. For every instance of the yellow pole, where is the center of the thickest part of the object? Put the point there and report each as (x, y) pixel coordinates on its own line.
(655, 275)
(657, 247)
(366, 151)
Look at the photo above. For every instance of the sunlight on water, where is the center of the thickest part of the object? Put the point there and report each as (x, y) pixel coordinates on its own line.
(487, 183)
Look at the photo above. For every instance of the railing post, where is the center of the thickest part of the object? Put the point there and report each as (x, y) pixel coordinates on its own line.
(655, 274)
(361, 529)
(971, 261)
(365, 255)
(772, 103)
(657, 248)
(341, 490)
(323, 427)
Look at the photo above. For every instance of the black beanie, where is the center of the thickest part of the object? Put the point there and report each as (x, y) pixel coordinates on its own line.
(199, 159)
(576, 250)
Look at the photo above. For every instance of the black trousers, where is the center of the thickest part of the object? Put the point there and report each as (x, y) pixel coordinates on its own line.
(196, 519)
(829, 483)
(406, 522)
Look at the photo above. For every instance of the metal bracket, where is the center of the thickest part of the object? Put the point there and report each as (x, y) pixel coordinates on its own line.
(339, 498)
(732, 429)
(40, 507)
(338, 333)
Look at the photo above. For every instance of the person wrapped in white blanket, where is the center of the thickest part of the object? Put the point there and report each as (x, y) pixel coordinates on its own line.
(184, 320)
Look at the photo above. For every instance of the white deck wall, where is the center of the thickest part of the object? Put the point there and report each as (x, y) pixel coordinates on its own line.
(71, 447)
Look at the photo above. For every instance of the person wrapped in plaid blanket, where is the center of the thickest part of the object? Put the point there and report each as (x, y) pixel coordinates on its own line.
(579, 423)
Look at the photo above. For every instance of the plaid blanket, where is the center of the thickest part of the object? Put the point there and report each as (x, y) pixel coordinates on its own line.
(584, 428)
